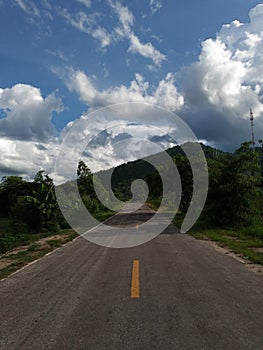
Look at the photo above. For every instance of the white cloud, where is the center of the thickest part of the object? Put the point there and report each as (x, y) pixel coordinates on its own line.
(81, 20)
(129, 126)
(101, 34)
(165, 94)
(125, 17)
(87, 3)
(126, 20)
(28, 114)
(59, 54)
(27, 140)
(155, 5)
(29, 7)
(25, 158)
(228, 79)
(218, 91)
(146, 50)
(87, 23)
(111, 136)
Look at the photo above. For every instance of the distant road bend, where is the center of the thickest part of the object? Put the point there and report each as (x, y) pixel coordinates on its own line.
(173, 292)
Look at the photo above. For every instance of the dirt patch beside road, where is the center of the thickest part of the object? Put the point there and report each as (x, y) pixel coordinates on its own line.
(224, 250)
(21, 256)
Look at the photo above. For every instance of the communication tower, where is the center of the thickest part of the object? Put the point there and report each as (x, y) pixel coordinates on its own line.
(252, 127)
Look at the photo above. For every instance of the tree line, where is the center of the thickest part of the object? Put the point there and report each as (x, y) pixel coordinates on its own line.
(30, 207)
(234, 198)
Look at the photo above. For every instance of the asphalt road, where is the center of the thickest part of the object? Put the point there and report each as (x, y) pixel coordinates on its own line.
(79, 297)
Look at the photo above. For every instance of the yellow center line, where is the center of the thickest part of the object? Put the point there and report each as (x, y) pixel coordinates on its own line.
(135, 283)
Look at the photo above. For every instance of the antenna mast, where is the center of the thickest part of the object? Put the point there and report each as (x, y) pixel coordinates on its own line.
(252, 127)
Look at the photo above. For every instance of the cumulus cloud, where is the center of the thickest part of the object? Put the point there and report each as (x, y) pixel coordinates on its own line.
(165, 94)
(27, 114)
(115, 135)
(24, 158)
(103, 140)
(121, 131)
(226, 81)
(27, 140)
(218, 91)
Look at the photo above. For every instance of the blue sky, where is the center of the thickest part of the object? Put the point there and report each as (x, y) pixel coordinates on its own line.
(61, 59)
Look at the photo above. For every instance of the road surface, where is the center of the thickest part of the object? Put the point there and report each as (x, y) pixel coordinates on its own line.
(173, 292)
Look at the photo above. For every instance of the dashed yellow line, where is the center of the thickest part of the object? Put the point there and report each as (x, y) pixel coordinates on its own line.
(135, 283)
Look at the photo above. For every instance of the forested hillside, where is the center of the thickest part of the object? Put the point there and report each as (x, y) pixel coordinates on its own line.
(234, 198)
(235, 184)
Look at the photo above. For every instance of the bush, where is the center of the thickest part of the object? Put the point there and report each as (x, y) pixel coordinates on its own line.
(254, 229)
(25, 218)
(7, 242)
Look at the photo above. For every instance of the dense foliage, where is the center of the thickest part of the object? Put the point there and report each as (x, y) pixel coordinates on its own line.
(235, 188)
(234, 197)
(235, 185)
(30, 208)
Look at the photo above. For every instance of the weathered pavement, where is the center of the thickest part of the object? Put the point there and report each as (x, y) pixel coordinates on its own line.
(78, 297)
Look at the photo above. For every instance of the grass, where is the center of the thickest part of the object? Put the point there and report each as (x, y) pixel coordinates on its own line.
(178, 219)
(103, 215)
(242, 242)
(34, 251)
(30, 246)
(153, 203)
(9, 240)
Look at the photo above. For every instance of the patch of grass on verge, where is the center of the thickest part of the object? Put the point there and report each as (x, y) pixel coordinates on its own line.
(34, 252)
(153, 203)
(244, 242)
(103, 215)
(240, 243)
(178, 219)
(10, 240)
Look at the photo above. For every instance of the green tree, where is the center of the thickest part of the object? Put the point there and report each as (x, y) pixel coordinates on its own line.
(83, 170)
(186, 177)
(25, 216)
(85, 181)
(11, 187)
(42, 202)
(235, 187)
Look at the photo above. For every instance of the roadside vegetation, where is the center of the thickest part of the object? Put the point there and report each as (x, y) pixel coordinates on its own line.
(39, 246)
(30, 216)
(241, 242)
(233, 212)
